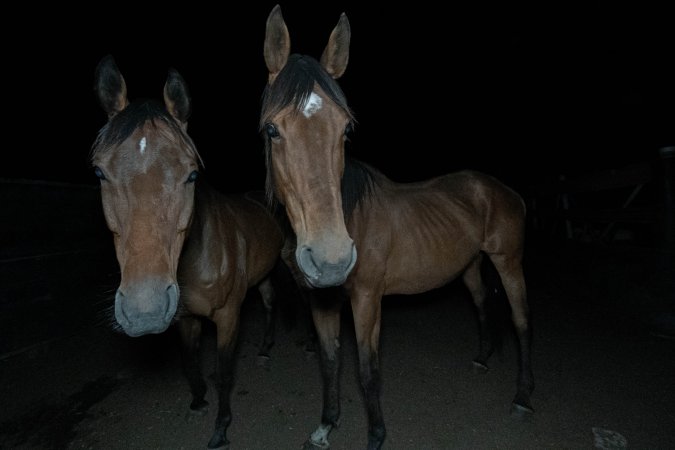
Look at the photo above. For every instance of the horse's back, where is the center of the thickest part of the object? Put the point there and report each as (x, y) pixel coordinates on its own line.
(468, 198)
(422, 235)
(500, 208)
(485, 192)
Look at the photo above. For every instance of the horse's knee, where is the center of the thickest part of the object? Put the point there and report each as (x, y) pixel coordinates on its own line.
(520, 321)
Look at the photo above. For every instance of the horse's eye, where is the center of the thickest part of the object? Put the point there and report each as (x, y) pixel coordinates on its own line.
(99, 173)
(271, 130)
(192, 177)
(349, 129)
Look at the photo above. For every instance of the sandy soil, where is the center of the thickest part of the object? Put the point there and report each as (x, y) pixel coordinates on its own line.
(603, 372)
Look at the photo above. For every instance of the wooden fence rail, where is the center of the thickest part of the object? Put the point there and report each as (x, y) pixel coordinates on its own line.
(635, 203)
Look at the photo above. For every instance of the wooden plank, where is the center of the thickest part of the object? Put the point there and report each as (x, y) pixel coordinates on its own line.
(604, 180)
(606, 215)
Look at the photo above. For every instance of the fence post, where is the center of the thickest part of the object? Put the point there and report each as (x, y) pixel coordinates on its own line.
(667, 155)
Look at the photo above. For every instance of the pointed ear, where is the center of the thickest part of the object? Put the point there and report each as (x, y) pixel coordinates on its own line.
(110, 87)
(176, 97)
(277, 43)
(336, 54)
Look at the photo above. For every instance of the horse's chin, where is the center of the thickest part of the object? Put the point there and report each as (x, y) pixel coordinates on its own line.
(143, 329)
(324, 282)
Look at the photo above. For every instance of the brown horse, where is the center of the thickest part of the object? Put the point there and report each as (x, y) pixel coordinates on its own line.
(409, 237)
(185, 251)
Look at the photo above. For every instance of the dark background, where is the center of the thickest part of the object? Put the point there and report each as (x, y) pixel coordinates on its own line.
(522, 91)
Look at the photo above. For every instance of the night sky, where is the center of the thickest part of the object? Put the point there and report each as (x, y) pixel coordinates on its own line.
(523, 92)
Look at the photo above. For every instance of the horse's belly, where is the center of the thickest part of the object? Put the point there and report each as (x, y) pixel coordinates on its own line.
(417, 274)
(417, 282)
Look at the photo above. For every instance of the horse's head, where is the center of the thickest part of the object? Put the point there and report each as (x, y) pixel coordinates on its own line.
(304, 121)
(147, 165)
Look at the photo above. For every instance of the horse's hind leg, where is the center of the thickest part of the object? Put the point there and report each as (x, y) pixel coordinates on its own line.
(511, 272)
(227, 329)
(190, 329)
(268, 296)
(474, 283)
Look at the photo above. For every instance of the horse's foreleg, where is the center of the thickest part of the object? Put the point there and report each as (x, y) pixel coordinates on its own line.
(190, 329)
(326, 306)
(227, 326)
(268, 296)
(474, 283)
(511, 273)
(367, 311)
(307, 320)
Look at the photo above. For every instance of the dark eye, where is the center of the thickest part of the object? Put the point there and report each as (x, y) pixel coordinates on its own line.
(193, 177)
(99, 173)
(349, 129)
(271, 130)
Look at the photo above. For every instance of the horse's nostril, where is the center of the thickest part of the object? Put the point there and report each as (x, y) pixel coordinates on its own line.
(171, 302)
(120, 314)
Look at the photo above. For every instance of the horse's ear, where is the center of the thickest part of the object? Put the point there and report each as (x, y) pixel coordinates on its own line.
(110, 86)
(336, 54)
(277, 43)
(176, 97)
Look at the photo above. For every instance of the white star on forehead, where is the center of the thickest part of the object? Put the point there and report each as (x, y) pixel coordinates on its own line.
(141, 145)
(312, 105)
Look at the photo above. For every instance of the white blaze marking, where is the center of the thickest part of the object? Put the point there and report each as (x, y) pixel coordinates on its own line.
(141, 145)
(312, 105)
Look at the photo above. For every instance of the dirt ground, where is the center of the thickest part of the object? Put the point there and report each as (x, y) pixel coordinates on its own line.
(603, 360)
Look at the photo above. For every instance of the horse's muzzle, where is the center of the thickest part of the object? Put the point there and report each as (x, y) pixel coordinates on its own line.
(320, 273)
(146, 309)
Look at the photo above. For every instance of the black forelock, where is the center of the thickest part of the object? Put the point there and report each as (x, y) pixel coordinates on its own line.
(295, 83)
(136, 115)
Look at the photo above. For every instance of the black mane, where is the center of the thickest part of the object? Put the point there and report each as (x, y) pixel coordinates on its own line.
(358, 181)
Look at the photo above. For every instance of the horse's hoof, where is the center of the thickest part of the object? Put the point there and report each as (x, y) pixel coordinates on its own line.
(197, 410)
(478, 367)
(221, 447)
(309, 445)
(218, 442)
(263, 361)
(199, 406)
(225, 446)
(521, 411)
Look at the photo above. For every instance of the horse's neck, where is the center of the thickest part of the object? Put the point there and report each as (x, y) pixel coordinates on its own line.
(205, 205)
